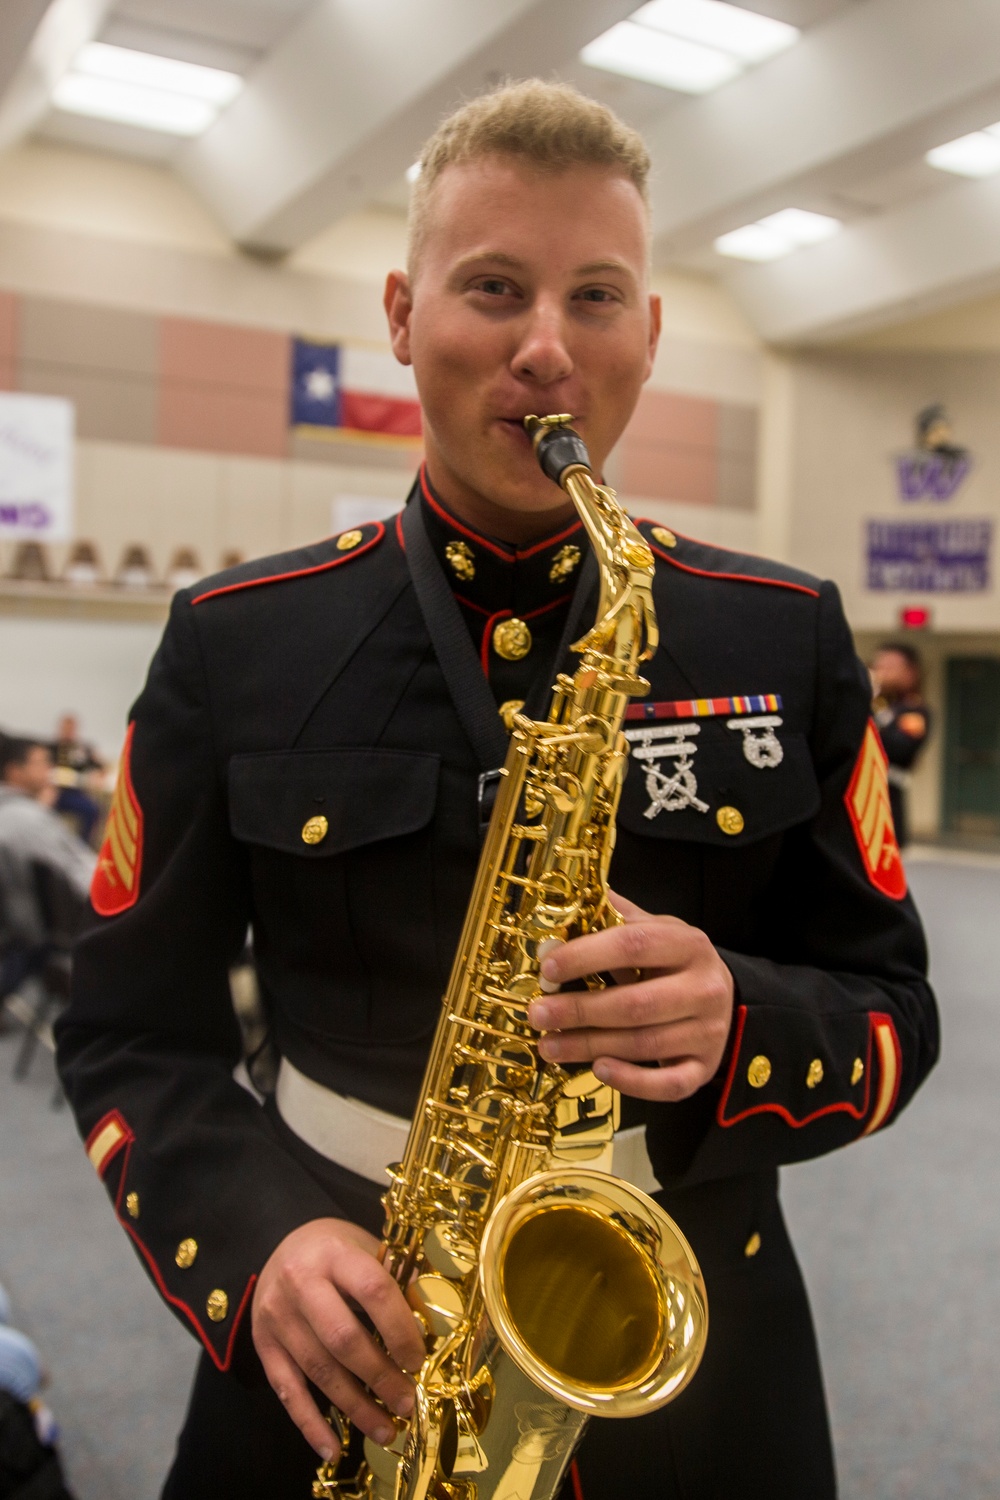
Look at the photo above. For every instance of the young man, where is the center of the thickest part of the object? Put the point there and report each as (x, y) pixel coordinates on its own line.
(306, 756)
(28, 826)
(904, 722)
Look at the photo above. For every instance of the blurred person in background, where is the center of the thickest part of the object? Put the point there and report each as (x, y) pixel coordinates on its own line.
(904, 722)
(29, 1463)
(77, 769)
(29, 828)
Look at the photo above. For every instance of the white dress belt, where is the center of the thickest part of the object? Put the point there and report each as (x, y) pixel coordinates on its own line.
(365, 1140)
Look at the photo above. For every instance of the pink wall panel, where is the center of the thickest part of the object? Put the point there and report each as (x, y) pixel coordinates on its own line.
(223, 388)
(222, 420)
(8, 340)
(663, 417)
(687, 474)
(223, 354)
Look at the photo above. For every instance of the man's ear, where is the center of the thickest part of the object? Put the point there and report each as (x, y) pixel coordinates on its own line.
(398, 303)
(655, 317)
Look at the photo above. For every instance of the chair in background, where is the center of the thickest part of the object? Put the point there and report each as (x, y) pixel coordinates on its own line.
(83, 566)
(31, 563)
(135, 571)
(40, 915)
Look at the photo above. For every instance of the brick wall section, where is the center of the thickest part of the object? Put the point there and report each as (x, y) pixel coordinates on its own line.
(223, 389)
(9, 308)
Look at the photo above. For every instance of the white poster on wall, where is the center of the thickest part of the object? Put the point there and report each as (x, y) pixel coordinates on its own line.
(36, 467)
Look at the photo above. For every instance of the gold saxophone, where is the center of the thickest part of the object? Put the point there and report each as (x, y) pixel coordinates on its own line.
(550, 1291)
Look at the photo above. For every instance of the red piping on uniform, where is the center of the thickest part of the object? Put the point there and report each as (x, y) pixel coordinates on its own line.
(856, 1113)
(479, 608)
(124, 1140)
(775, 583)
(399, 532)
(517, 555)
(549, 541)
(574, 1474)
(154, 1270)
(504, 614)
(252, 583)
(484, 649)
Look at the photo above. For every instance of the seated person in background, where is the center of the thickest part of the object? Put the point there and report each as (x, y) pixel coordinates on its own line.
(29, 1464)
(903, 720)
(75, 764)
(29, 829)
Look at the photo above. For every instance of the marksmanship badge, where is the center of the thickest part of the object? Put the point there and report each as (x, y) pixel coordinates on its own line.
(668, 790)
(761, 745)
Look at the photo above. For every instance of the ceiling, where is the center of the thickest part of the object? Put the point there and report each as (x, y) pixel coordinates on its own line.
(339, 94)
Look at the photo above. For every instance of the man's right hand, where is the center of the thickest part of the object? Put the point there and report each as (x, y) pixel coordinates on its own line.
(305, 1328)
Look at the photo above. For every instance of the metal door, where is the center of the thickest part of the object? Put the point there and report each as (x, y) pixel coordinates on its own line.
(972, 746)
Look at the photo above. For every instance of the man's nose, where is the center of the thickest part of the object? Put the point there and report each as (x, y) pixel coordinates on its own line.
(542, 355)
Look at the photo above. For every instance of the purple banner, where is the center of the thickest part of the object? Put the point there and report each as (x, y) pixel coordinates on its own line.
(941, 557)
(931, 476)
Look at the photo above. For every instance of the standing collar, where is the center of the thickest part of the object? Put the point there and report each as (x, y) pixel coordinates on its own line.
(491, 575)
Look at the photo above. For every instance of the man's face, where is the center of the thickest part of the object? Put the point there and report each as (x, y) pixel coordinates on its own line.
(32, 776)
(892, 674)
(67, 729)
(530, 295)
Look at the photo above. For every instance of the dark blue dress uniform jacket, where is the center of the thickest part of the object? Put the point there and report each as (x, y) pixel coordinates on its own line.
(306, 684)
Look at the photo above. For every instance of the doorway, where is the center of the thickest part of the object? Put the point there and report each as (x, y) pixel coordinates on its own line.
(972, 746)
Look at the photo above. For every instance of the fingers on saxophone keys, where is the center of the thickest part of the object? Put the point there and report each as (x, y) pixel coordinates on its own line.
(291, 1390)
(339, 1385)
(665, 1085)
(346, 1346)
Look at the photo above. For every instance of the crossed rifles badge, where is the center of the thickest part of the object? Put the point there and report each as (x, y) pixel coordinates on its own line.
(667, 750)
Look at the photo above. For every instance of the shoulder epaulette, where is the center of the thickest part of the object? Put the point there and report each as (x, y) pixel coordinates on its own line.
(319, 558)
(707, 561)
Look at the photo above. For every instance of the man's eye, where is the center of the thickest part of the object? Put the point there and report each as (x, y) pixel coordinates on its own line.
(493, 286)
(596, 294)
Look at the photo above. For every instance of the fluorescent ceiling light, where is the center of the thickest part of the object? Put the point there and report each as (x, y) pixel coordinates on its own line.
(138, 88)
(690, 45)
(651, 56)
(741, 33)
(99, 60)
(776, 235)
(801, 226)
(975, 155)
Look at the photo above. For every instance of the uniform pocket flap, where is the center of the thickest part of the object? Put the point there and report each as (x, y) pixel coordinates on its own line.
(322, 802)
(716, 784)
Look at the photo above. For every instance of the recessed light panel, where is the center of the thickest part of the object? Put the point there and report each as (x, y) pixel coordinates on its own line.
(738, 32)
(975, 155)
(139, 88)
(689, 45)
(776, 235)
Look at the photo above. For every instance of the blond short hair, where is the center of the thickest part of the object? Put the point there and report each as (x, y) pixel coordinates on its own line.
(550, 126)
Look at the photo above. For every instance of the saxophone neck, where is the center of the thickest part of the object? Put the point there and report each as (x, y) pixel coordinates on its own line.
(625, 632)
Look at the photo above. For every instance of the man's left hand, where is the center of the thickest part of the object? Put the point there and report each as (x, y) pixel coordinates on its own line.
(660, 1036)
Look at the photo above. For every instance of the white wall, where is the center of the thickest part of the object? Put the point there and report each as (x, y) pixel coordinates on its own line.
(93, 668)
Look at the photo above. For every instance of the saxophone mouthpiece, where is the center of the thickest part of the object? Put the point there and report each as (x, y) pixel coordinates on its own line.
(557, 447)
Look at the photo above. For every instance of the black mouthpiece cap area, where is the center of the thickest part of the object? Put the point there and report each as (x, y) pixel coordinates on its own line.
(557, 448)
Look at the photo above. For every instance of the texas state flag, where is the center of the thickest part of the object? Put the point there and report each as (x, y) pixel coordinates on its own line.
(354, 389)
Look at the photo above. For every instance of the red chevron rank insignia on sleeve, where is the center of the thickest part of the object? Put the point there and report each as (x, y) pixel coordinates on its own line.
(115, 885)
(867, 800)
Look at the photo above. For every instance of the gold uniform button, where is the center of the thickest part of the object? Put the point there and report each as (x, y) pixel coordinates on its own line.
(857, 1072)
(185, 1254)
(132, 1204)
(512, 640)
(462, 560)
(348, 541)
(752, 1246)
(664, 537)
(563, 564)
(815, 1074)
(759, 1071)
(315, 830)
(217, 1305)
(730, 820)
